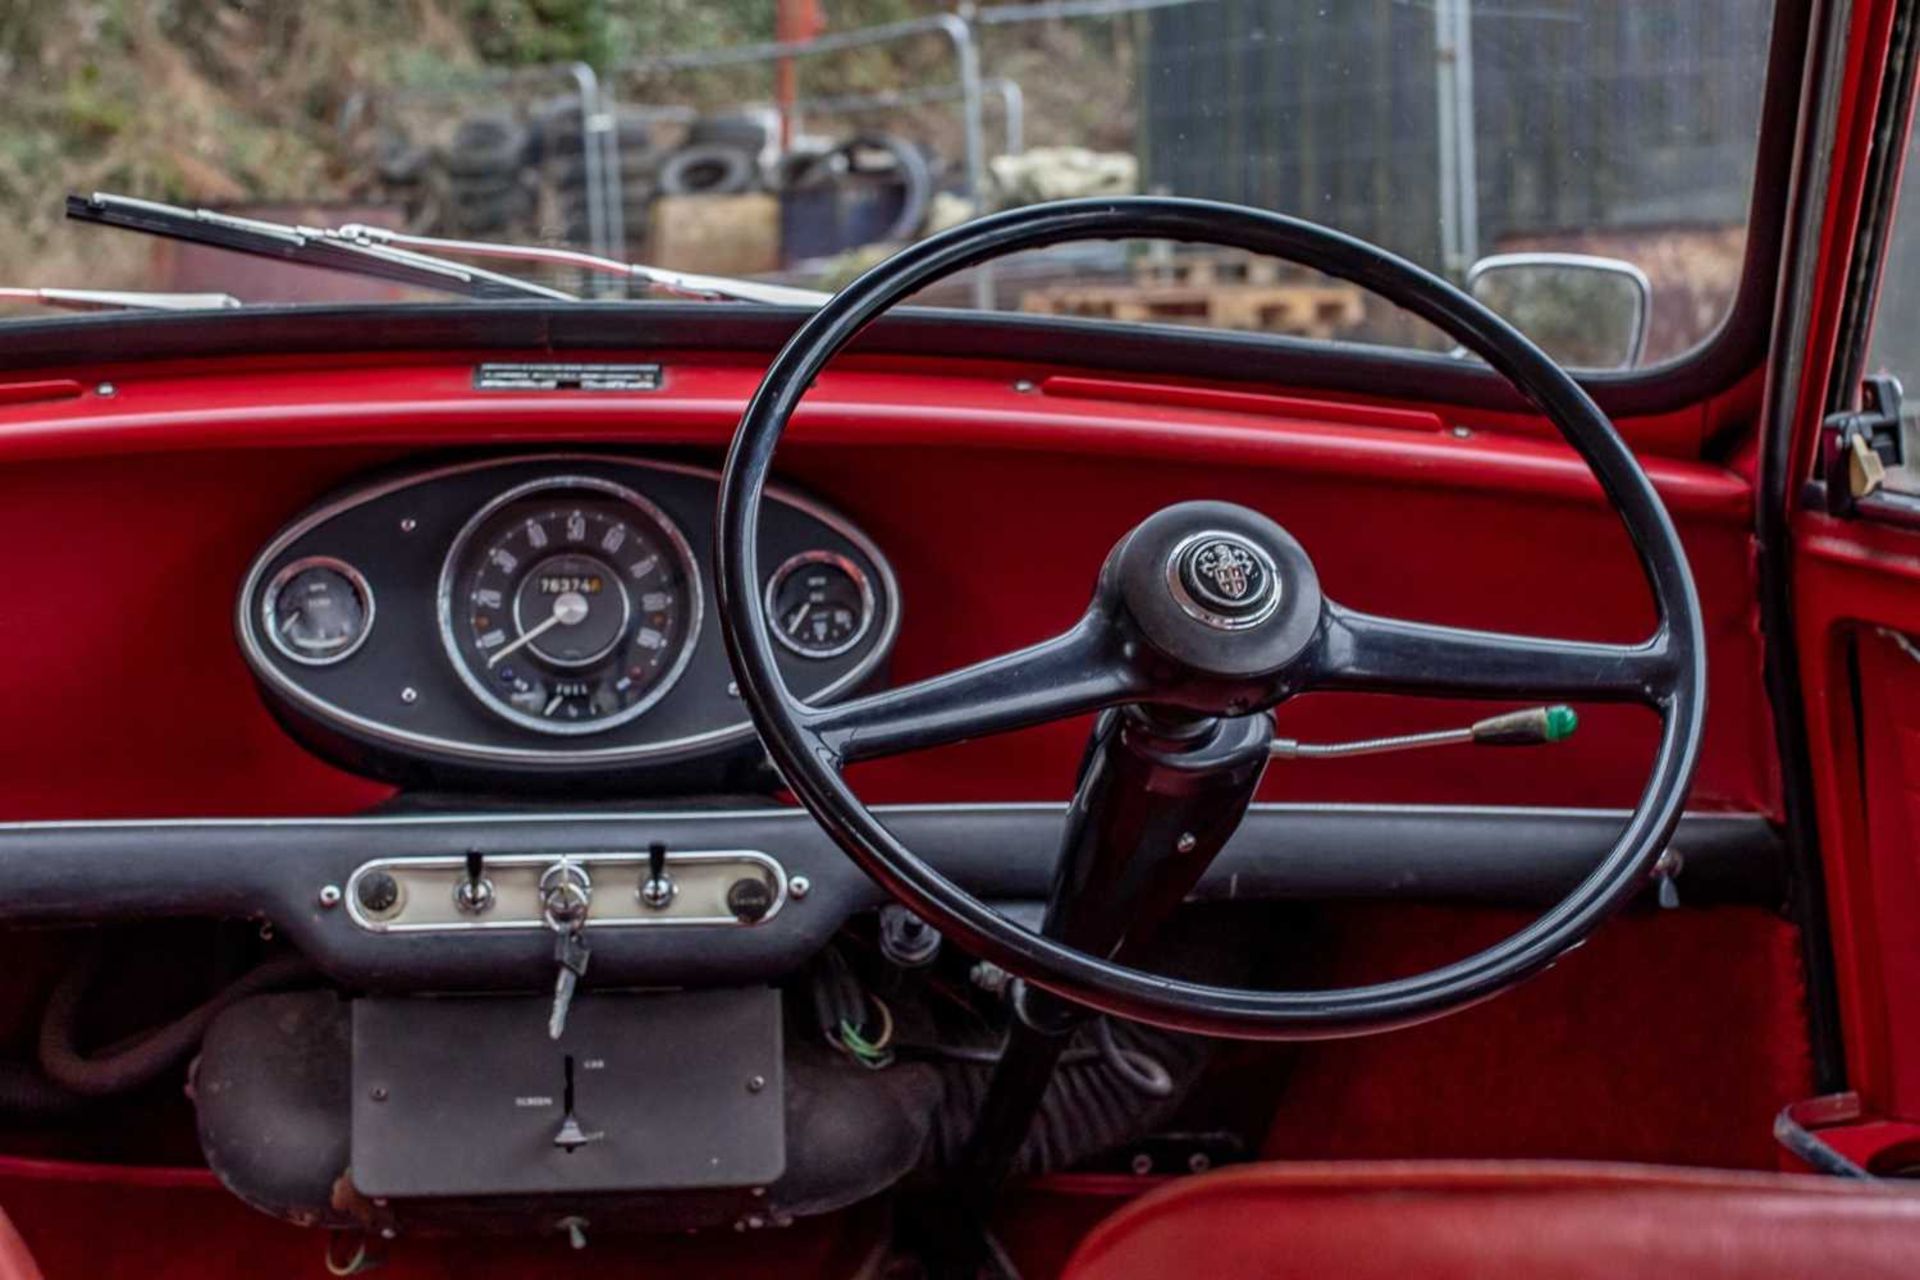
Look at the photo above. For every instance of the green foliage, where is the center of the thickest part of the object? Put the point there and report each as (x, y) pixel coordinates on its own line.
(638, 28)
(92, 113)
(527, 32)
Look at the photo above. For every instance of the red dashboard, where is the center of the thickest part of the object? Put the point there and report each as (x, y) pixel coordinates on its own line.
(138, 495)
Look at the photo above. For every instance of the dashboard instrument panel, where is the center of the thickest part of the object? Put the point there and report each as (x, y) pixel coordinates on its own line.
(528, 616)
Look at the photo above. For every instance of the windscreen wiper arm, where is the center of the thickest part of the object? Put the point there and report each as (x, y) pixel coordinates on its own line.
(117, 299)
(326, 247)
(394, 255)
(686, 283)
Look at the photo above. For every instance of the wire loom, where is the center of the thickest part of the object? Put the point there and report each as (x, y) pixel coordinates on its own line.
(1093, 1105)
(1116, 1083)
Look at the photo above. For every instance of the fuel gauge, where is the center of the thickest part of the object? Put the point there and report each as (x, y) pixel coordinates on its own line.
(317, 610)
(819, 604)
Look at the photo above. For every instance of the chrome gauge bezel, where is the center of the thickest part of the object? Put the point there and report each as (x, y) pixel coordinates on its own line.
(270, 613)
(677, 543)
(847, 566)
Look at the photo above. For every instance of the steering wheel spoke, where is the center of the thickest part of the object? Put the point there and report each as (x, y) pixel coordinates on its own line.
(1360, 651)
(1078, 671)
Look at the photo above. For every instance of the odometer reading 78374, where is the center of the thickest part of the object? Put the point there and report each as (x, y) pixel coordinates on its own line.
(569, 605)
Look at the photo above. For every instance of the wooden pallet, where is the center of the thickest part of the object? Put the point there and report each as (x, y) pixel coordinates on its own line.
(1303, 310)
(1206, 268)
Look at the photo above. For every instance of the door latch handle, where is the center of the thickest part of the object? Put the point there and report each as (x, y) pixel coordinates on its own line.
(1857, 447)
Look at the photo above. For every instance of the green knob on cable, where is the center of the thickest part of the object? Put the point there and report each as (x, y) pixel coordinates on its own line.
(1561, 722)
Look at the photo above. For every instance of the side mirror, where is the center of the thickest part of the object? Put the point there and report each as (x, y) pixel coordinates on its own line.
(1586, 312)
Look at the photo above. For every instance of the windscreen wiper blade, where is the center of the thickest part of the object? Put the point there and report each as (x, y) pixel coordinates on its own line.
(117, 299)
(685, 283)
(325, 247)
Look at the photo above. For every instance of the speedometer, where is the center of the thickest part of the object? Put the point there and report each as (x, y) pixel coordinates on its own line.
(569, 605)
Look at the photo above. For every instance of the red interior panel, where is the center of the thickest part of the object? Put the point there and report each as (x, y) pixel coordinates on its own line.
(1609, 1055)
(1863, 708)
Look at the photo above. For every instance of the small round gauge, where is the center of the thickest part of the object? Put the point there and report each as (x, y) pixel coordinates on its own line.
(819, 604)
(569, 605)
(317, 610)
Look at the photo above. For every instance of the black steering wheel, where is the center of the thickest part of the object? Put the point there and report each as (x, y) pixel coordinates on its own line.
(1211, 613)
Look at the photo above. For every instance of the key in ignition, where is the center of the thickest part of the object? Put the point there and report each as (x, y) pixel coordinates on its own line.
(566, 896)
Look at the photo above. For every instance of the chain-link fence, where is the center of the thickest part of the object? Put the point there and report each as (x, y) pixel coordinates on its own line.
(1583, 116)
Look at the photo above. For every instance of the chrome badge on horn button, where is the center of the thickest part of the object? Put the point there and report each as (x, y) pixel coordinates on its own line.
(1223, 580)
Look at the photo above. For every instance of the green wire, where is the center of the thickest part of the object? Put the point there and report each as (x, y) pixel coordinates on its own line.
(864, 1050)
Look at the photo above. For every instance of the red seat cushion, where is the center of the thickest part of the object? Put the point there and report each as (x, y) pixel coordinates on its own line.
(1508, 1219)
(16, 1263)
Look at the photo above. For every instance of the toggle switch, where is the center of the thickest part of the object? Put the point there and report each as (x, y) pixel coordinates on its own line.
(474, 894)
(658, 890)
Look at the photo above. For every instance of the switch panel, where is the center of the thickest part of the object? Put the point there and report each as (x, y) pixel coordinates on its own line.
(458, 894)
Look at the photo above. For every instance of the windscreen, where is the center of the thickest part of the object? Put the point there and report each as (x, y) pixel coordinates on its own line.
(798, 141)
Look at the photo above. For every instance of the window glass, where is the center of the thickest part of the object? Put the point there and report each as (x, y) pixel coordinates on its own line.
(1894, 344)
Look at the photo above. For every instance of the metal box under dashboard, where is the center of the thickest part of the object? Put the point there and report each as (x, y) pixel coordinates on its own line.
(468, 1096)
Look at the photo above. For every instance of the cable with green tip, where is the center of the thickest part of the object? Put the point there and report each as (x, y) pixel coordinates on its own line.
(1536, 726)
(1533, 727)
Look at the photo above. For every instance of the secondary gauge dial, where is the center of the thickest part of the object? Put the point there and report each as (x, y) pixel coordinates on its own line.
(317, 610)
(569, 605)
(819, 604)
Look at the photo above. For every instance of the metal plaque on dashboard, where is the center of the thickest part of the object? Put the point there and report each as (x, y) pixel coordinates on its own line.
(467, 1096)
(563, 376)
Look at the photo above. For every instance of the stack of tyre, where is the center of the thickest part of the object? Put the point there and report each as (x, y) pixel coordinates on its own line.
(505, 176)
(564, 164)
(722, 156)
(486, 179)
